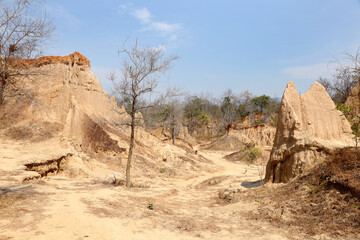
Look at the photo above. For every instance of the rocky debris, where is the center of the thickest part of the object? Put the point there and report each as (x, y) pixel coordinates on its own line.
(308, 130)
(228, 195)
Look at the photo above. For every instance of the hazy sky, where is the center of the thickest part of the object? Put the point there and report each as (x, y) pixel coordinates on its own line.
(255, 45)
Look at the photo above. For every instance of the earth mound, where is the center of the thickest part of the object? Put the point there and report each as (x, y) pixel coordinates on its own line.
(308, 130)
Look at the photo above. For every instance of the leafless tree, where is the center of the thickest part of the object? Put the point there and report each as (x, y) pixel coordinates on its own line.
(141, 67)
(229, 109)
(24, 26)
(340, 86)
(172, 113)
(345, 78)
(175, 116)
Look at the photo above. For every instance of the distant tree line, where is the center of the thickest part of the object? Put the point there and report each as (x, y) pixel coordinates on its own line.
(206, 116)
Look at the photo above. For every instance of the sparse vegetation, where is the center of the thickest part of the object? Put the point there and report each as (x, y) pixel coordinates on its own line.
(316, 189)
(68, 171)
(253, 155)
(306, 204)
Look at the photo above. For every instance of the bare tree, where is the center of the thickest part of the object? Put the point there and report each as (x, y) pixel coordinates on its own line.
(172, 117)
(171, 111)
(228, 108)
(23, 28)
(345, 78)
(341, 85)
(141, 67)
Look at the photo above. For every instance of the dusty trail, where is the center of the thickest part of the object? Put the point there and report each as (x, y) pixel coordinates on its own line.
(63, 208)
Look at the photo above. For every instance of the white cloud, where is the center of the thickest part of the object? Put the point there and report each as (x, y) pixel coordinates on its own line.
(164, 27)
(122, 8)
(143, 15)
(65, 16)
(310, 72)
(173, 37)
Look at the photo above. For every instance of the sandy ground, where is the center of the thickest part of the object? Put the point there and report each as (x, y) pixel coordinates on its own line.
(63, 208)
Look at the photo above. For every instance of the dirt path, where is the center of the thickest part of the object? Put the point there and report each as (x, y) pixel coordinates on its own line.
(62, 208)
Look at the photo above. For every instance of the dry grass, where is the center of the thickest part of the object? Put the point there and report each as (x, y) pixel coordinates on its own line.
(18, 202)
(35, 132)
(325, 201)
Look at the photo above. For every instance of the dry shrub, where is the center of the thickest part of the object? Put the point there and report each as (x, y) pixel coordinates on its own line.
(343, 172)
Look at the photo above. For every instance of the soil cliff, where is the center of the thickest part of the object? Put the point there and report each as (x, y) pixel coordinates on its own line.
(308, 129)
(56, 111)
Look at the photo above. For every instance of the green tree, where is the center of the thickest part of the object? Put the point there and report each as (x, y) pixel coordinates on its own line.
(192, 112)
(261, 102)
(199, 112)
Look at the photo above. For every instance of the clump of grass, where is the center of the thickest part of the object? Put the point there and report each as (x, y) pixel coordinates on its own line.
(254, 154)
(316, 189)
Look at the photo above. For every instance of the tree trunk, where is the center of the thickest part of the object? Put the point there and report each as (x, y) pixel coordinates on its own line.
(132, 139)
(2, 89)
(172, 128)
(173, 134)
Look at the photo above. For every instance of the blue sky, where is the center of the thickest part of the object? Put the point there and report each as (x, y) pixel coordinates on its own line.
(255, 45)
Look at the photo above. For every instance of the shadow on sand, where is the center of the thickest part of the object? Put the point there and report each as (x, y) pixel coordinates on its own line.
(252, 184)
